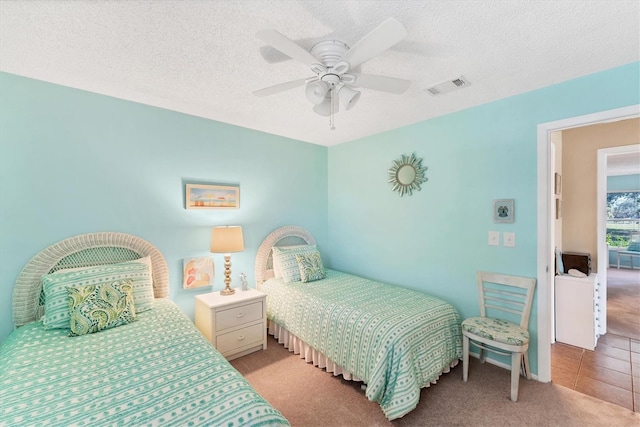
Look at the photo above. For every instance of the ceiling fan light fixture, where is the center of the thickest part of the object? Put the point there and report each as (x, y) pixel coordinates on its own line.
(324, 108)
(349, 97)
(316, 92)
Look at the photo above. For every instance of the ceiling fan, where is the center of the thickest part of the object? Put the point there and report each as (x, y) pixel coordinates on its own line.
(335, 65)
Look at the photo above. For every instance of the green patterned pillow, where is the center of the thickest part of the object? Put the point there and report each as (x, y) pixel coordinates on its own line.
(285, 262)
(94, 308)
(310, 266)
(56, 308)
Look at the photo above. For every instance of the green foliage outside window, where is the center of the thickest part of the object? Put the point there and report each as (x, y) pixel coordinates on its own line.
(617, 241)
(623, 217)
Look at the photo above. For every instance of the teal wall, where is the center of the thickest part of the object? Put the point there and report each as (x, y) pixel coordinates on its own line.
(436, 240)
(623, 183)
(74, 162)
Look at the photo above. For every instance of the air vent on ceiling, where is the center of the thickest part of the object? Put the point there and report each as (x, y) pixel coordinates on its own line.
(448, 86)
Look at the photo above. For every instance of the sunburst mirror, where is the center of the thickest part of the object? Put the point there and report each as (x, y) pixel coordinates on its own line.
(407, 174)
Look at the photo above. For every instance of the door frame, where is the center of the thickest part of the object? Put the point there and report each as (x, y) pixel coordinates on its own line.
(546, 214)
(603, 248)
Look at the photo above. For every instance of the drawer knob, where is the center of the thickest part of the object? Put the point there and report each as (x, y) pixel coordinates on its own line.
(241, 337)
(240, 315)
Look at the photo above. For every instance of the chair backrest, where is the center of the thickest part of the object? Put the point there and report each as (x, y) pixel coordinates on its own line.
(511, 295)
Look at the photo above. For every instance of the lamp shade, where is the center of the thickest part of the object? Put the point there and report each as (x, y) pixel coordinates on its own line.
(226, 239)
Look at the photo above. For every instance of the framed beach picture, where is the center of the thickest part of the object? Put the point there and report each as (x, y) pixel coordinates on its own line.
(503, 210)
(205, 196)
(197, 272)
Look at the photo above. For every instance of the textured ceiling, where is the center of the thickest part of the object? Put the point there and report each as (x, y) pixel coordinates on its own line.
(202, 57)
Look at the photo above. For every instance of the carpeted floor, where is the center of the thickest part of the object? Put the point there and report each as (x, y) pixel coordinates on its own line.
(308, 396)
(623, 301)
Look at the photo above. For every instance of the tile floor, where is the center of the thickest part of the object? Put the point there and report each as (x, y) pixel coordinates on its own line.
(610, 373)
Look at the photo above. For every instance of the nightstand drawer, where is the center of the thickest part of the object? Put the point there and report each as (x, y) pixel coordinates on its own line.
(226, 319)
(240, 338)
(235, 324)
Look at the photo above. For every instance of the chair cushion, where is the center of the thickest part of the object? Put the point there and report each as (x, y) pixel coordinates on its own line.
(497, 330)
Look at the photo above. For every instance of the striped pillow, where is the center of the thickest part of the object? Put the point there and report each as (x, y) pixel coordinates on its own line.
(285, 262)
(54, 285)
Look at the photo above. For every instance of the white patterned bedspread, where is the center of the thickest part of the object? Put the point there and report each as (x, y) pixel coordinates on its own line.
(156, 371)
(397, 340)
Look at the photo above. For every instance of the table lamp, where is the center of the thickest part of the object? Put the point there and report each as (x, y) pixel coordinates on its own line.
(227, 239)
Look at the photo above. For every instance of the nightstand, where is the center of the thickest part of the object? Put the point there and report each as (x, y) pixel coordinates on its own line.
(235, 324)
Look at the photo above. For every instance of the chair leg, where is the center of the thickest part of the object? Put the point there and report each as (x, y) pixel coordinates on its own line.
(483, 355)
(516, 360)
(465, 358)
(525, 365)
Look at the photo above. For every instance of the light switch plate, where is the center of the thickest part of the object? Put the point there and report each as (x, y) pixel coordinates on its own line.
(494, 238)
(509, 239)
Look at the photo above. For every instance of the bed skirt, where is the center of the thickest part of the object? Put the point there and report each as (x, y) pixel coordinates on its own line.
(319, 360)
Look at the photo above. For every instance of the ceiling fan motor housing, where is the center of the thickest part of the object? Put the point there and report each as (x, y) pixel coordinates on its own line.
(329, 52)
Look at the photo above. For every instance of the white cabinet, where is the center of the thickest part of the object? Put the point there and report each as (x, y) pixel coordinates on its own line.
(577, 310)
(235, 324)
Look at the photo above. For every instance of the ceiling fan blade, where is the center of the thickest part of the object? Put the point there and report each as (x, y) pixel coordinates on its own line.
(272, 55)
(286, 46)
(377, 41)
(280, 87)
(382, 83)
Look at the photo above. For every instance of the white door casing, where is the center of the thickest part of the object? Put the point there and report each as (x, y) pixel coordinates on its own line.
(546, 215)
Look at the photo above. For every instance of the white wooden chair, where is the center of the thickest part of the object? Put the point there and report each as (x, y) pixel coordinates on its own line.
(511, 298)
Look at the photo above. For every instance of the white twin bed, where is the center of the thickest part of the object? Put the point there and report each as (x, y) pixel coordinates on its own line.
(394, 339)
(156, 370)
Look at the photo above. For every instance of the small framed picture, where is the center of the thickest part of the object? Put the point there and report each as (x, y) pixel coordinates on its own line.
(205, 196)
(197, 272)
(503, 210)
(558, 184)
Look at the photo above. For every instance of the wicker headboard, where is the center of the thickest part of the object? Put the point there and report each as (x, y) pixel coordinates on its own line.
(82, 251)
(284, 236)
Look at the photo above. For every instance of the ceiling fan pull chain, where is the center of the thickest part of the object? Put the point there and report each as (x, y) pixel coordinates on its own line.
(331, 119)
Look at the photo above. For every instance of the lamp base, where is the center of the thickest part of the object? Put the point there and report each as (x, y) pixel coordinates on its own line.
(227, 291)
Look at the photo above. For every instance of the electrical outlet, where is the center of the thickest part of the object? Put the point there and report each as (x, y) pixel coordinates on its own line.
(510, 239)
(494, 238)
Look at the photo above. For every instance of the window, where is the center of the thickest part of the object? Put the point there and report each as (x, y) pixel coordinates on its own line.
(623, 217)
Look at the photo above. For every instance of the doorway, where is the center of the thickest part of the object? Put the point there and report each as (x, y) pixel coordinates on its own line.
(609, 159)
(606, 371)
(546, 214)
